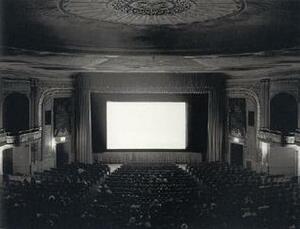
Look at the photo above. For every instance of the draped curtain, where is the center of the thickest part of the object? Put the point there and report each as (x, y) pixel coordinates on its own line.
(215, 126)
(83, 120)
(190, 84)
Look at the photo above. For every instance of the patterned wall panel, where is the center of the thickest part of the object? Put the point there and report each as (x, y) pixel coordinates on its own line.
(62, 116)
(237, 117)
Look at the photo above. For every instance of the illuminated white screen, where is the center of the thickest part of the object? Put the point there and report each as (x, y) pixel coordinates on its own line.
(146, 125)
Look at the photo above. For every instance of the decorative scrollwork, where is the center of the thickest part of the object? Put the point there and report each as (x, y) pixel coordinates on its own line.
(152, 7)
(152, 12)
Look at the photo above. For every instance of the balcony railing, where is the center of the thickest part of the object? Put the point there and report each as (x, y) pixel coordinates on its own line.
(20, 137)
(297, 136)
(274, 136)
(2, 137)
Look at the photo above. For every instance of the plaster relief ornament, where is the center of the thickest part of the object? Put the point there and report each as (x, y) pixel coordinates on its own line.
(152, 12)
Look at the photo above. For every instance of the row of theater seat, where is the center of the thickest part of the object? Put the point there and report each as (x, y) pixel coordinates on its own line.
(149, 196)
(246, 199)
(49, 199)
(161, 196)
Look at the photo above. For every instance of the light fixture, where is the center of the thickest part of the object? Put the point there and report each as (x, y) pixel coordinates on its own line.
(236, 140)
(264, 149)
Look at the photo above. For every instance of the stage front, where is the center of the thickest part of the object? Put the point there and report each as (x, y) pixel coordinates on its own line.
(144, 157)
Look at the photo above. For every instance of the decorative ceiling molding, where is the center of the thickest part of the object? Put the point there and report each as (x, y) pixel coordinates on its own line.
(152, 12)
(281, 65)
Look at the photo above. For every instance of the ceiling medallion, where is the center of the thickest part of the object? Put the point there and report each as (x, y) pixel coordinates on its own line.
(152, 7)
(152, 12)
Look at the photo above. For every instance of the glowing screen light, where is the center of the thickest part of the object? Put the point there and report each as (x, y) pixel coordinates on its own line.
(146, 125)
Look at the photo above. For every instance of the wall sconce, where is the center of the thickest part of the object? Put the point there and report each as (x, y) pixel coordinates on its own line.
(236, 140)
(264, 150)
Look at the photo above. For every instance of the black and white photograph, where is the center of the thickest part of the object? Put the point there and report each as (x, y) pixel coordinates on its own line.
(149, 114)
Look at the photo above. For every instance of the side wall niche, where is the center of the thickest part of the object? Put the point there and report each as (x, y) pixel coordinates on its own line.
(241, 127)
(58, 130)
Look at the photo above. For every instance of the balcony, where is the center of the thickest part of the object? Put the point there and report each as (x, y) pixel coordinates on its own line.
(273, 136)
(20, 137)
(297, 136)
(3, 135)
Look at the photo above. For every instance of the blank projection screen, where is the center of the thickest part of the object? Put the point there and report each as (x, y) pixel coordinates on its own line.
(146, 125)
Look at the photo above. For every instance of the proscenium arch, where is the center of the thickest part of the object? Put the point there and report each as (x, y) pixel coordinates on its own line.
(16, 112)
(283, 113)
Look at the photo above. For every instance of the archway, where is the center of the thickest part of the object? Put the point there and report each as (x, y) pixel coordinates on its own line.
(6, 160)
(16, 113)
(284, 113)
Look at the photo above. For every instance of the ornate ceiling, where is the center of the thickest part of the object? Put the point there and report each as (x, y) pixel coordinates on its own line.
(151, 26)
(60, 38)
(152, 12)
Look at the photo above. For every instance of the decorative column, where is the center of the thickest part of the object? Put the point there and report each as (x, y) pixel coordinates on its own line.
(298, 101)
(1, 104)
(264, 155)
(215, 126)
(265, 103)
(34, 98)
(83, 123)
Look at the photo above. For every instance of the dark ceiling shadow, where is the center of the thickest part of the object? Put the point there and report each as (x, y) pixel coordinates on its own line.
(22, 30)
(271, 29)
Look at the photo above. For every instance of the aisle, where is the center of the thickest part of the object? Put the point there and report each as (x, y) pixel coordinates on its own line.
(113, 167)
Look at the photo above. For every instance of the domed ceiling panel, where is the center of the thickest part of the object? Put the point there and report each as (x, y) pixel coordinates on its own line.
(150, 26)
(152, 12)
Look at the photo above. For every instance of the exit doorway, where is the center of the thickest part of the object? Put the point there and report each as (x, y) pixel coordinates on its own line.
(236, 154)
